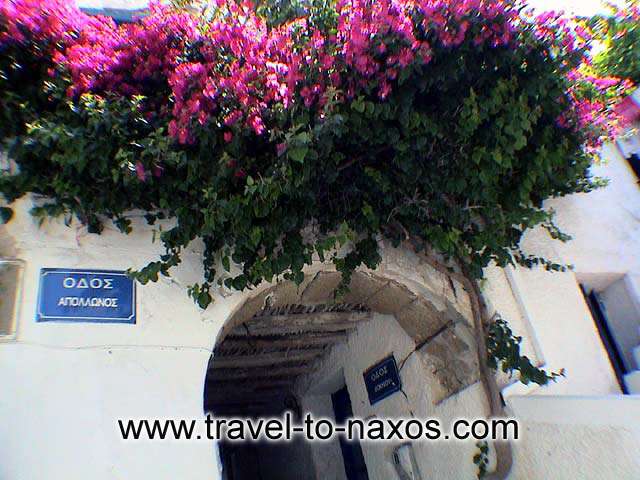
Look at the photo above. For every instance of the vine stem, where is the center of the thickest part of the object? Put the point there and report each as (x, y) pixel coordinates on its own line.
(504, 453)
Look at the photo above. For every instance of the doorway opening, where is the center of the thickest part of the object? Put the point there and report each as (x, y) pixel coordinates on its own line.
(253, 373)
(352, 456)
(285, 348)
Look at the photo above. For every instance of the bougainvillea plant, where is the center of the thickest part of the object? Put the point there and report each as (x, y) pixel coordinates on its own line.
(619, 34)
(275, 139)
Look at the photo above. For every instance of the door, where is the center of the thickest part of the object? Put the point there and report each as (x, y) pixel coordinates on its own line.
(354, 464)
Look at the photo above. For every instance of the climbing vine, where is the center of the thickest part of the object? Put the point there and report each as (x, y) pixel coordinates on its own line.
(503, 353)
(481, 459)
(279, 132)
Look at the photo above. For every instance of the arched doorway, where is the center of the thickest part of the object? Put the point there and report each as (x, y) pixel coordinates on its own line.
(285, 348)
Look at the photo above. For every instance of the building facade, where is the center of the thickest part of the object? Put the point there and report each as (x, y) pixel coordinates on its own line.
(281, 347)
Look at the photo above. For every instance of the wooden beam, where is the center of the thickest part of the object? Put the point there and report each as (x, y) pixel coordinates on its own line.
(224, 374)
(285, 341)
(248, 401)
(266, 329)
(226, 394)
(309, 318)
(259, 384)
(291, 324)
(265, 359)
(276, 388)
(301, 309)
(248, 397)
(243, 406)
(287, 382)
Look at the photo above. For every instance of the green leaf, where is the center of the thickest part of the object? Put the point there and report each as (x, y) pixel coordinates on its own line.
(298, 154)
(358, 105)
(226, 263)
(204, 299)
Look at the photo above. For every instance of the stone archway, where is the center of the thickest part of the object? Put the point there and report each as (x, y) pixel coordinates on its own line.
(280, 332)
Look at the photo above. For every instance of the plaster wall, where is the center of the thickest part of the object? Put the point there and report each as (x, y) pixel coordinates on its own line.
(549, 310)
(567, 438)
(284, 461)
(327, 461)
(566, 334)
(58, 411)
(604, 224)
(64, 385)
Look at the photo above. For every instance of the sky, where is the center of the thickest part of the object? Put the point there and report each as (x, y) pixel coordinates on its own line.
(576, 7)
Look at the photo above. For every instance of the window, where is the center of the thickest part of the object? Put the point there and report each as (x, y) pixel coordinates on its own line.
(606, 335)
(634, 161)
(10, 289)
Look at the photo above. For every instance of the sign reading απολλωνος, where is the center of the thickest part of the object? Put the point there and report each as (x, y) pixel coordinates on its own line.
(382, 380)
(75, 295)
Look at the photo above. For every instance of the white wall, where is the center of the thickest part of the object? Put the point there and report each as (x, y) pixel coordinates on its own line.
(605, 224)
(564, 330)
(58, 412)
(283, 461)
(326, 456)
(586, 438)
(552, 314)
(63, 385)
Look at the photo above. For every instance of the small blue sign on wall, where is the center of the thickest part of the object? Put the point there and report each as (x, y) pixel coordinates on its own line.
(74, 295)
(382, 380)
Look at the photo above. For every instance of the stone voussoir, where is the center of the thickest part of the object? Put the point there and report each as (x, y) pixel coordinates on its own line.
(321, 288)
(451, 356)
(391, 298)
(421, 320)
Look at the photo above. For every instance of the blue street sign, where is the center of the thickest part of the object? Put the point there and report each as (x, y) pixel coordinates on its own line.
(382, 380)
(73, 295)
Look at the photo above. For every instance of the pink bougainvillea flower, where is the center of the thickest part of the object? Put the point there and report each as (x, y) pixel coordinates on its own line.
(158, 170)
(281, 148)
(140, 172)
(257, 124)
(238, 70)
(233, 118)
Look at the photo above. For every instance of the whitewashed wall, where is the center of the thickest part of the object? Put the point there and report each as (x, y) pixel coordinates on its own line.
(563, 436)
(568, 438)
(621, 302)
(605, 249)
(553, 317)
(64, 385)
(605, 224)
